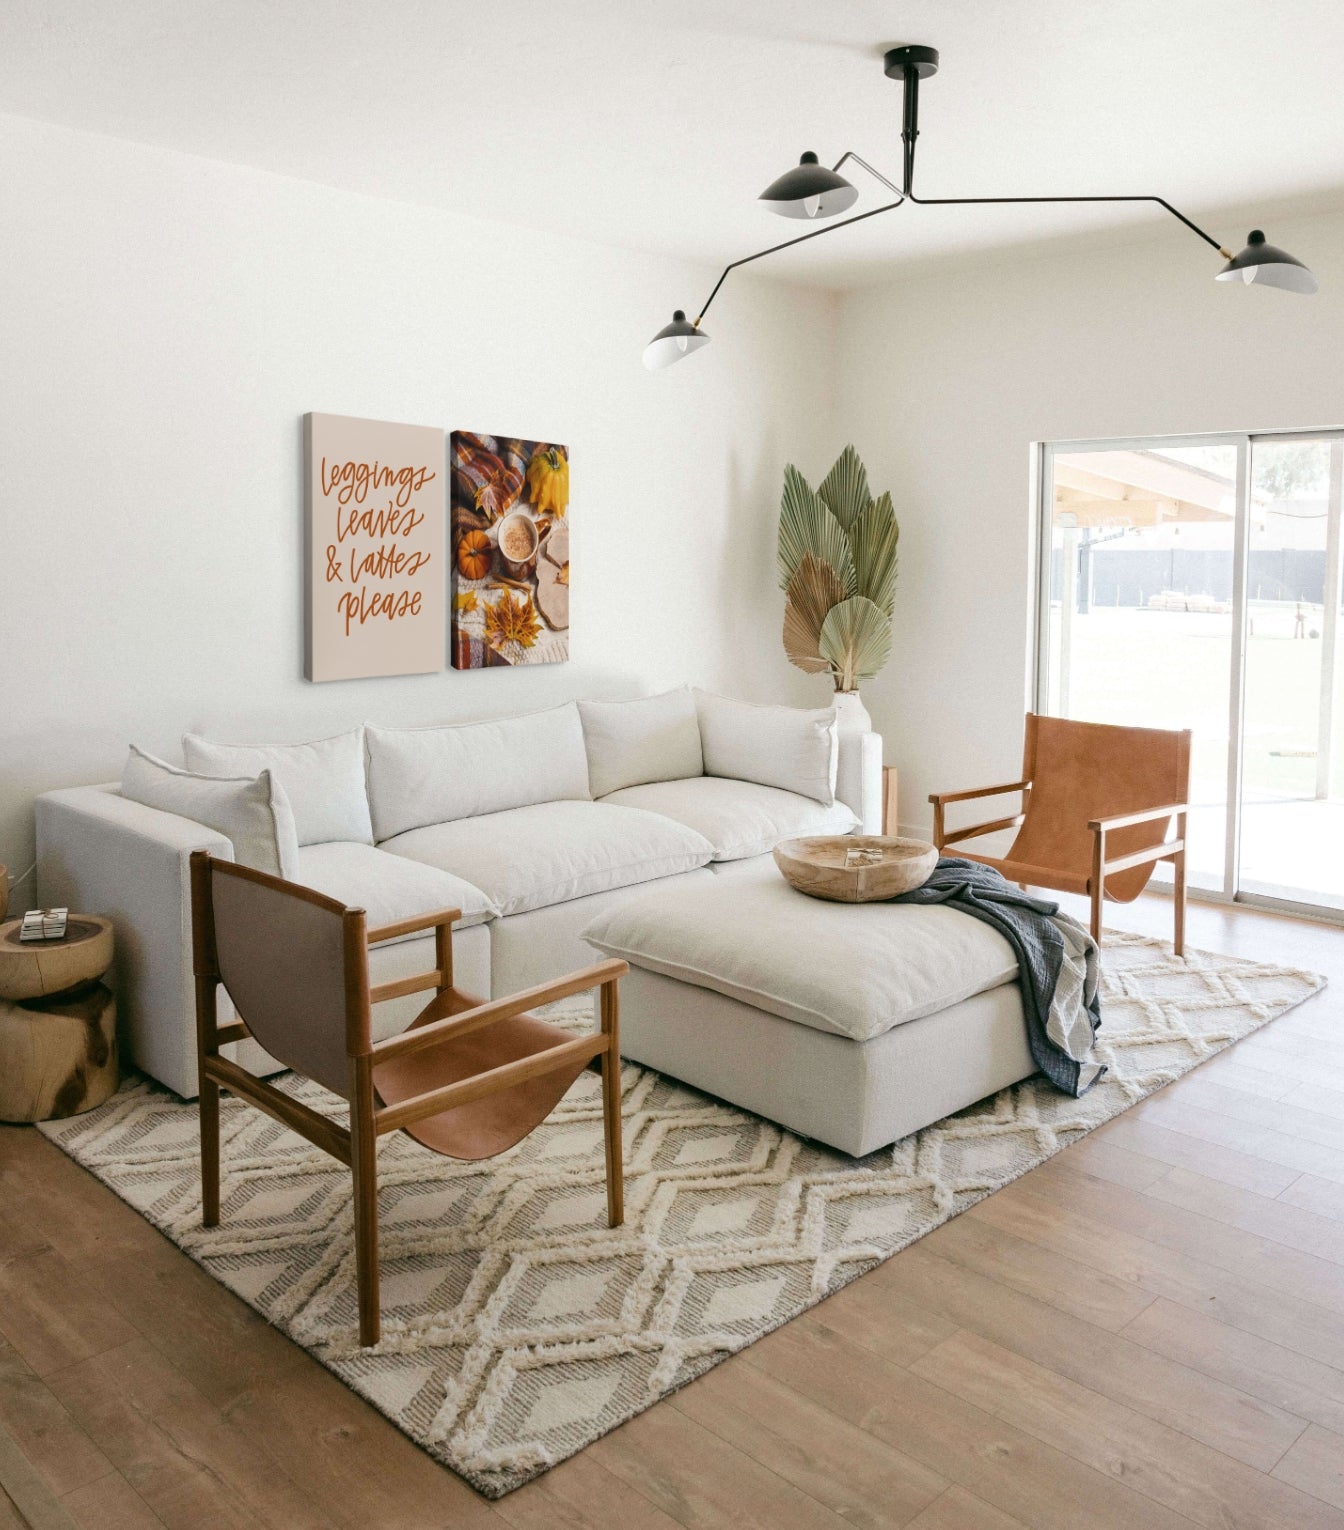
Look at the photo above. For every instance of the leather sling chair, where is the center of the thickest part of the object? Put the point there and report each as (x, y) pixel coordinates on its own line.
(1096, 801)
(468, 1078)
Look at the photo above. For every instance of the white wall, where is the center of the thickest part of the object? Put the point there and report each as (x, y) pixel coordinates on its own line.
(944, 381)
(165, 321)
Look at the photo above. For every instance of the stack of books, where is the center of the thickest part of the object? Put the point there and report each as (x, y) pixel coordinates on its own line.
(44, 924)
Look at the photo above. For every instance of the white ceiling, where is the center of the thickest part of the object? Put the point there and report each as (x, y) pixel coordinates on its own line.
(655, 123)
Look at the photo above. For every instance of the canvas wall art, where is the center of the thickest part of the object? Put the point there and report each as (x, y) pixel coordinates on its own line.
(376, 538)
(510, 506)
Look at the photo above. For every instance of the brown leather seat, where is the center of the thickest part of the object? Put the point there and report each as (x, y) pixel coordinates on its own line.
(1096, 803)
(468, 1079)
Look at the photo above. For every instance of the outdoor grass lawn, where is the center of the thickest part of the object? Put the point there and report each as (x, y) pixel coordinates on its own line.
(1171, 669)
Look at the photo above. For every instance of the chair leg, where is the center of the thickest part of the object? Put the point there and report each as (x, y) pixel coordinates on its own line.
(611, 1105)
(209, 1105)
(1097, 882)
(364, 1166)
(1178, 945)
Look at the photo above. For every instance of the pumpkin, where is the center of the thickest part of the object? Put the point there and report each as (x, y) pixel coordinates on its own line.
(548, 480)
(473, 554)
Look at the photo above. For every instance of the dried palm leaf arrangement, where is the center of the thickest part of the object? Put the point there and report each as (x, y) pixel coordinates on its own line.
(837, 568)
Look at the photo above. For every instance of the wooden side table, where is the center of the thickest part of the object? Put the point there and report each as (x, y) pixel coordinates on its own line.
(58, 1023)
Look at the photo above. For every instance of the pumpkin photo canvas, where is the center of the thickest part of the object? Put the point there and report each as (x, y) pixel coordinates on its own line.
(510, 507)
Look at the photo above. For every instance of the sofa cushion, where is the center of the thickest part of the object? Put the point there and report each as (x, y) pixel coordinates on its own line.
(855, 969)
(550, 852)
(789, 747)
(253, 813)
(420, 776)
(739, 818)
(629, 742)
(324, 780)
(389, 888)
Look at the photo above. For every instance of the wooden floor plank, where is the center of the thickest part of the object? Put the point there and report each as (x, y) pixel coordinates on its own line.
(881, 1321)
(1323, 1196)
(580, 1494)
(959, 1510)
(1108, 1160)
(1301, 1384)
(1316, 1465)
(51, 1439)
(1151, 1139)
(1190, 1283)
(1172, 1469)
(53, 1314)
(186, 1461)
(726, 1490)
(1276, 1219)
(1164, 1390)
(1238, 1071)
(112, 1504)
(1296, 1120)
(1281, 1148)
(26, 1499)
(1022, 1476)
(860, 1478)
(352, 1464)
(1275, 1265)
(1317, 1098)
(214, 1338)
(1053, 1278)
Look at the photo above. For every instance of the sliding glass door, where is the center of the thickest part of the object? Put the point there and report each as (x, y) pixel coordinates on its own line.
(1195, 583)
(1292, 814)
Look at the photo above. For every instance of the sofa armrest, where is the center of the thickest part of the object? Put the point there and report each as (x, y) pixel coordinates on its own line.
(101, 853)
(858, 779)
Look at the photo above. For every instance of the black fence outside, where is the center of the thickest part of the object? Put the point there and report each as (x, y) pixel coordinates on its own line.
(1130, 576)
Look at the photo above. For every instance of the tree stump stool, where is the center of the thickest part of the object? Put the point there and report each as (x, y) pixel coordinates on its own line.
(58, 1023)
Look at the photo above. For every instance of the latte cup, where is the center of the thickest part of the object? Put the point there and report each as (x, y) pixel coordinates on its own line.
(518, 543)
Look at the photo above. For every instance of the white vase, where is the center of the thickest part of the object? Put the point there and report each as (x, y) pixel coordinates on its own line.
(851, 714)
(851, 722)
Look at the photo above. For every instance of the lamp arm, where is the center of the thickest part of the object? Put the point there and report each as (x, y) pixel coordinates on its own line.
(876, 174)
(787, 244)
(1004, 201)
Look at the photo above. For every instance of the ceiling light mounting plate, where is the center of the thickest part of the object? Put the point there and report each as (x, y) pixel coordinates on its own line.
(897, 60)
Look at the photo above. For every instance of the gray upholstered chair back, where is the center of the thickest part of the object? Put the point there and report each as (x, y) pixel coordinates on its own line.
(281, 957)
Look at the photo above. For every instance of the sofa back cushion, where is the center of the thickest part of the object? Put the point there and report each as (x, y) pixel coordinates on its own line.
(324, 780)
(789, 747)
(420, 776)
(253, 813)
(632, 742)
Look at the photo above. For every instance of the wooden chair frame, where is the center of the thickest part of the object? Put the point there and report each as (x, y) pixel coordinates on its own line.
(1172, 850)
(356, 1146)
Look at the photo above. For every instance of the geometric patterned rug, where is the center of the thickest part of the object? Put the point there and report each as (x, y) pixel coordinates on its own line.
(518, 1327)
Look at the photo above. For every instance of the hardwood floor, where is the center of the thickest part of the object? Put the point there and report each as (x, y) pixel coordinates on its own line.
(1145, 1332)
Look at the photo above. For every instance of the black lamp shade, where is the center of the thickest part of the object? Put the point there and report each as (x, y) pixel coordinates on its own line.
(809, 190)
(1269, 266)
(672, 342)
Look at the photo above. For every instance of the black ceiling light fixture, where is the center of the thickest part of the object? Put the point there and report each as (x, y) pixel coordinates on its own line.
(811, 191)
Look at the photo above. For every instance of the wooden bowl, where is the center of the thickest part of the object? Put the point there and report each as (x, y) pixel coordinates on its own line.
(817, 866)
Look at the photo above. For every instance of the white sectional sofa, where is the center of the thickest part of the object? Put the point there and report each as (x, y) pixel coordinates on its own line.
(531, 825)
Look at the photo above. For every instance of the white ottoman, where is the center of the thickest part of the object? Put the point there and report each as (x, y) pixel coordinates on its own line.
(855, 1024)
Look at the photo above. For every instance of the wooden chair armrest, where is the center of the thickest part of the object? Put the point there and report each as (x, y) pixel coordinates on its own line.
(445, 916)
(977, 829)
(980, 791)
(1163, 852)
(1124, 820)
(400, 987)
(467, 1020)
